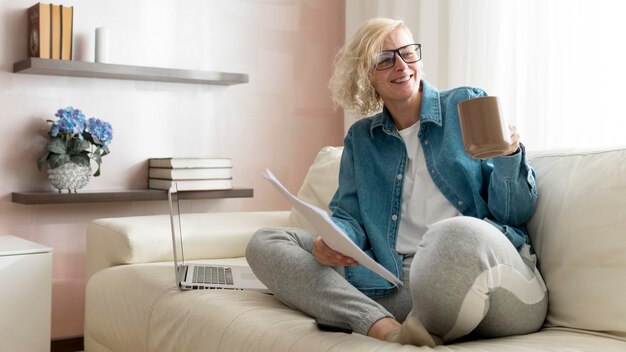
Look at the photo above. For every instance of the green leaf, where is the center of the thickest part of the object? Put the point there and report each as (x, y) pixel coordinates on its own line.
(56, 146)
(76, 146)
(57, 160)
(84, 145)
(81, 160)
(88, 137)
(97, 156)
(42, 160)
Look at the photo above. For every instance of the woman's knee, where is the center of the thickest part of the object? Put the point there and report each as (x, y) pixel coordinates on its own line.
(464, 234)
(459, 246)
(266, 241)
(260, 243)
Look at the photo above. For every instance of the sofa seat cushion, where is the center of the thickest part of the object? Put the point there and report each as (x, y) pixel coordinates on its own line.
(139, 308)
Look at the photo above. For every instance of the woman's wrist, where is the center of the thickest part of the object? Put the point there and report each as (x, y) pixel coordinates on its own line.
(514, 153)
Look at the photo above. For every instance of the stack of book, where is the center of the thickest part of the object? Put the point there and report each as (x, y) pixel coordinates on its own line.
(191, 174)
(50, 30)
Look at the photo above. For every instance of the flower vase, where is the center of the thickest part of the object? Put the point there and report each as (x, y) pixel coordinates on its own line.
(69, 176)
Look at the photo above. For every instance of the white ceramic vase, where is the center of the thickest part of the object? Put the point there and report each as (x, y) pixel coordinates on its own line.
(69, 176)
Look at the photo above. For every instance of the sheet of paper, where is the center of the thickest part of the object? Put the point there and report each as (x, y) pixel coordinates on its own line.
(334, 237)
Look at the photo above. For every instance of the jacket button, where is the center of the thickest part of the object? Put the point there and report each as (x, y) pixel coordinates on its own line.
(426, 142)
(460, 202)
(399, 176)
(394, 217)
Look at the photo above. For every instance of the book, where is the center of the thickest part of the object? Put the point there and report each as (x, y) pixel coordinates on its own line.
(67, 31)
(190, 173)
(39, 31)
(190, 162)
(192, 185)
(55, 31)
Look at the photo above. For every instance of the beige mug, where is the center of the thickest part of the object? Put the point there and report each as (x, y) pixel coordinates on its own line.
(485, 131)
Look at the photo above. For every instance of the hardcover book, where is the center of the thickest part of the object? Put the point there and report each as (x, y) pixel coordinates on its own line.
(67, 31)
(55, 31)
(192, 185)
(190, 173)
(190, 162)
(39, 33)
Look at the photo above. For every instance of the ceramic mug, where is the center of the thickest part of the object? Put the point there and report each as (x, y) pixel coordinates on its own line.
(485, 131)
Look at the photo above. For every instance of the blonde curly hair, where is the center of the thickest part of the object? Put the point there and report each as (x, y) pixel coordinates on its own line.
(351, 84)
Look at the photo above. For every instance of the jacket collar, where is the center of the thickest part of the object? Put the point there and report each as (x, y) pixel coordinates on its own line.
(430, 111)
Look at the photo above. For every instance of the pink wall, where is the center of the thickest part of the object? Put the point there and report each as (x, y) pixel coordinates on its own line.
(280, 119)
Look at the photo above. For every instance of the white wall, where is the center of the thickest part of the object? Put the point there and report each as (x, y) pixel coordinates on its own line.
(278, 120)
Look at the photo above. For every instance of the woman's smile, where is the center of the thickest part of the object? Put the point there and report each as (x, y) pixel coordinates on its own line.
(402, 79)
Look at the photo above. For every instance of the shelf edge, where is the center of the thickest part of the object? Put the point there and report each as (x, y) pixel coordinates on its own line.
(37, 198)
(86, 69)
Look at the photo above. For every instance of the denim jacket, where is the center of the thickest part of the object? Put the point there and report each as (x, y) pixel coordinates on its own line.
(367, 203)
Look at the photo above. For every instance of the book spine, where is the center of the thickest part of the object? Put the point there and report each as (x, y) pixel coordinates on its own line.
(50, 33)
(61, 32)
(55, 33)
(67, 15)
(39, 31)
(191, 185)
(33, 31)
(185, 163)
(190, 173)
(71, 32)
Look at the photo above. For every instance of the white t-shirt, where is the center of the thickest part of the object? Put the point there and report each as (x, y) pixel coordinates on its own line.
(423, 204)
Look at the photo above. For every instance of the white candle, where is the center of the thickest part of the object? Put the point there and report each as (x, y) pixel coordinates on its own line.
(102, 44)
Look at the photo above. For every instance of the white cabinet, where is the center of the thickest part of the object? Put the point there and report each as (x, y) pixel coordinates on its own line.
(25, 295)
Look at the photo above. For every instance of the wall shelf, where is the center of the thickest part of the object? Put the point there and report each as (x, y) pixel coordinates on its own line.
(114, 71)
(123, 196)
(85, 69)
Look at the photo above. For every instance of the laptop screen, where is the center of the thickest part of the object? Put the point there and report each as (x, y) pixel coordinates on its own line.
(177, 237)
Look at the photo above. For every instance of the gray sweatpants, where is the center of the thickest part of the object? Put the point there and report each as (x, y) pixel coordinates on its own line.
(466, 277)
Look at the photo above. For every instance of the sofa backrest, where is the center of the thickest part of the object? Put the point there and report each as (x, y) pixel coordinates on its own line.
(148, 238)
(578, 230)
(579, 233)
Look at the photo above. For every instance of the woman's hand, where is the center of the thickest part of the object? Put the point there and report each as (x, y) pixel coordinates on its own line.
(328, 256)
(514, 146)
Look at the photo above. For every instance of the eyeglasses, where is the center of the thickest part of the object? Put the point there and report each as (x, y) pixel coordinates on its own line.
(409, 53)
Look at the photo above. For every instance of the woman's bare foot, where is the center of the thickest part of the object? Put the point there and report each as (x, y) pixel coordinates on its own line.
(382, 327)
(412, 332)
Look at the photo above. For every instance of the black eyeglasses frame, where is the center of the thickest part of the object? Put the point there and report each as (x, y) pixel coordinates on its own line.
(397, 53)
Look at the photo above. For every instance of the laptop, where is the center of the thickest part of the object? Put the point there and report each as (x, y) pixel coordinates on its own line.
(205, 276)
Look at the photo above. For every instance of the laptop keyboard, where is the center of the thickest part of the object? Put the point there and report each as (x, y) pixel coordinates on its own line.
(212, 275)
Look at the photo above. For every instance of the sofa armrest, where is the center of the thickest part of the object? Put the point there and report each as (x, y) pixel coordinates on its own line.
(143, 239)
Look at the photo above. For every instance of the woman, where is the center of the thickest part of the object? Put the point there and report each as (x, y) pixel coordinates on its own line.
(449, 226)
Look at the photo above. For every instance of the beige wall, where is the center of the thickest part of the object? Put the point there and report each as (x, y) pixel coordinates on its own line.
(280, 119)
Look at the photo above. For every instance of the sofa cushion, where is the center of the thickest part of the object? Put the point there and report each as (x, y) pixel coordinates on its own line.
(320, 184)
(579, 233)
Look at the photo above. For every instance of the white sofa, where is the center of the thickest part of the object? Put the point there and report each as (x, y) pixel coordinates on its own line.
(579, 232)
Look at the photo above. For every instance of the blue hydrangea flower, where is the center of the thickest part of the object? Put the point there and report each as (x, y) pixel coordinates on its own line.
(70, 121)
(76, 140)
(101, 131)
